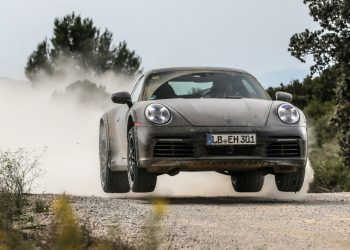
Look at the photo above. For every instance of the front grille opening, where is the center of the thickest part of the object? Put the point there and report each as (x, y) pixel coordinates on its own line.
(173, 149)
(283, 148)
(232, 151)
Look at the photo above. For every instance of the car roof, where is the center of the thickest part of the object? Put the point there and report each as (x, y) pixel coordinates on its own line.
(174, 69)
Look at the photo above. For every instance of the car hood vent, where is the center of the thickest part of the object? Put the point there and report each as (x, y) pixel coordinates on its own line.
(222, 112)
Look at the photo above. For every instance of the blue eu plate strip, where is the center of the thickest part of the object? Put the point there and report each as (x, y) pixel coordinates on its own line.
(209, 139)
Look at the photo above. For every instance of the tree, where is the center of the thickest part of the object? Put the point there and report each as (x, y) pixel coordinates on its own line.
(81, 43)
(330, 47)
(38, 63)
(319, 89)
(84, 92)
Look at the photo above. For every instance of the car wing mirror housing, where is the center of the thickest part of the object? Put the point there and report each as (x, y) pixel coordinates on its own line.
(284, 96)
(122, 98)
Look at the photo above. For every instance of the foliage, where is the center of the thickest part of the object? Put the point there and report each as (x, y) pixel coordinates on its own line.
(78, 42)
(318, 89)
(331, 175)
(66, 230)
(330, 46)
(316, 109)
(13, 239)
(152, 230)
(18, 170)
(38, 64)
(40, 206)
(68, 233)
(84, 92)
(300, 96)
(325, 132)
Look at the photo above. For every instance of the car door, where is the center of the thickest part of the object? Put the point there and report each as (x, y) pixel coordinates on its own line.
(122, 118)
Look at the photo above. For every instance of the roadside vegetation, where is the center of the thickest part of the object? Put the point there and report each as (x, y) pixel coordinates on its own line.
(329, 46)
(18, 170)
(326, 97)
(81, 51)
(19, 230)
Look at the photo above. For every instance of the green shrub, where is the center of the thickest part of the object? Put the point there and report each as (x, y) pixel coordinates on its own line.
(325, 132)
(316, 109)
(40, 206)
(319, 117)
(331, 175)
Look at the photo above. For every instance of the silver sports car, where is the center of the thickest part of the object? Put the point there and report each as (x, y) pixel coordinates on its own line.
(201, 119)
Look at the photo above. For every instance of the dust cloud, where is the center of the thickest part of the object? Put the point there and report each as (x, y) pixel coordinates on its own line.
(215, 184)
(68, 132)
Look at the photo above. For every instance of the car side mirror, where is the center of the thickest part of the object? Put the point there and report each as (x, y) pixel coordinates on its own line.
(122, 98)
(283, 96)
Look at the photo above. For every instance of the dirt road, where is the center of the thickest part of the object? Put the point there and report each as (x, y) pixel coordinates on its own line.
(317, 221)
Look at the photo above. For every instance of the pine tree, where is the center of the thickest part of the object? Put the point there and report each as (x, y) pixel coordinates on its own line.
(79, 41)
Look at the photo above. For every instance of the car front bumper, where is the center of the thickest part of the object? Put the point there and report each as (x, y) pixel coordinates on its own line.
(163, 149)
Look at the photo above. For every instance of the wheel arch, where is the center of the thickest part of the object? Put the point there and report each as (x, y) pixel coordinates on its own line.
(131, 121)
(104, 122)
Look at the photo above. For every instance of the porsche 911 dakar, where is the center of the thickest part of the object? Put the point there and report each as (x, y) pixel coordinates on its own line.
(201, 119)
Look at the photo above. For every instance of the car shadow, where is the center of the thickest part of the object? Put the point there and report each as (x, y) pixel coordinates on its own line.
(229, 200)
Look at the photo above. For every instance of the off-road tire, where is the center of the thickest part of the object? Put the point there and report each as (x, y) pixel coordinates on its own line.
(290, 182)
(251, 181)
(111, 181)
(140, 180)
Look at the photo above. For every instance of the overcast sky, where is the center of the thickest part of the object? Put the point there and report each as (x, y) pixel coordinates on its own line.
(247, 34)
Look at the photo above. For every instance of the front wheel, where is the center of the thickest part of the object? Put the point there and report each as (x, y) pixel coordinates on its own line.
(111, 181)
(251, 181)
(290, 182)
(139, 180)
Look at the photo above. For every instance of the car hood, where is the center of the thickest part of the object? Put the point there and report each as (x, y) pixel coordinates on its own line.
(222, 112)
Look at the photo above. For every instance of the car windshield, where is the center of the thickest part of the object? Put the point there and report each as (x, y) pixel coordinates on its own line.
(202, 85)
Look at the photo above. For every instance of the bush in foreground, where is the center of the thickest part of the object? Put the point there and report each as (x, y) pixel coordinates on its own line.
(331, 175)
(18, 170)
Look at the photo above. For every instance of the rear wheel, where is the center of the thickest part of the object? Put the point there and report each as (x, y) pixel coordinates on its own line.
(251, 181)
(139, 180)
(290, 182)
(111, 181)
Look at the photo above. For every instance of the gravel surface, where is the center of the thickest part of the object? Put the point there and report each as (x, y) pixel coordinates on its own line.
(316, 221)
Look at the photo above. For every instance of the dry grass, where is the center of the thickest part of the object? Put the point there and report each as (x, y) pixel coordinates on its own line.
(18, 170)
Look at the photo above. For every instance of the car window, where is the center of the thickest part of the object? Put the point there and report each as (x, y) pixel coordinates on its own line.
(249, 88)
(137, 90)
(203, 85)
(188, 88)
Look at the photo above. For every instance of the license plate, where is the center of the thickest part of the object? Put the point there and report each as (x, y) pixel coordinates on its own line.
(231, 139)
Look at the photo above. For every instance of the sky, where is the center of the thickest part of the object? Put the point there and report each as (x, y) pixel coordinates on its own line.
(247, 34)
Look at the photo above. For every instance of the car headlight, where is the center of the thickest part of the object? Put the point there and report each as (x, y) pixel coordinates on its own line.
(157, 113)
(288, 113)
